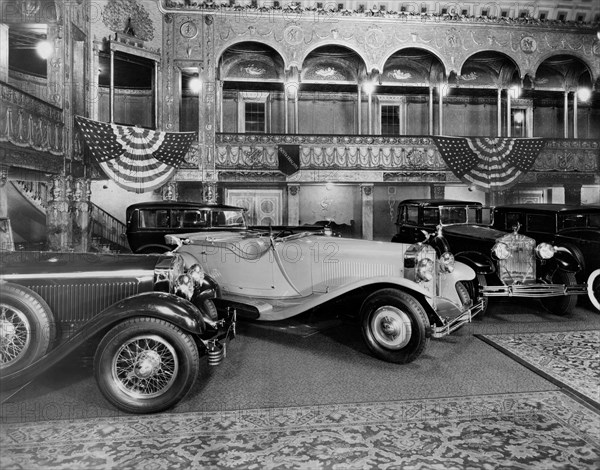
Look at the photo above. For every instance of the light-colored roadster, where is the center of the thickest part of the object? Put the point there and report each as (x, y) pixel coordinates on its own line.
(404, 294)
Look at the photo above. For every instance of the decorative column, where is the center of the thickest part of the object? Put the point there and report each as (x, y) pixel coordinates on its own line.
(370, 113)
(431, 131)
(575, 115)
(499, 131)
(566, 115)
(366, 191)
(438, 191)
(440, 113)
(6, 238)
(293, 202)
(209, 192)
(58, 217)
(81, 208)
(170, 191)
(572, 194)
(3, 53)
(508, 113)
(359, 109)
(3, 191)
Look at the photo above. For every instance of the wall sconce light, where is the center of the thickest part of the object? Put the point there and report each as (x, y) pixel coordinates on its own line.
(584, 94)
(369, 87)
(195, 84)
(291, 88)
(518, 118)
(515, 91)
(44, 49)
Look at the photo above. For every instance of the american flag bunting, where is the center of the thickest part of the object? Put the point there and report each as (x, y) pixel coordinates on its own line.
(489, 163)
(136, 159)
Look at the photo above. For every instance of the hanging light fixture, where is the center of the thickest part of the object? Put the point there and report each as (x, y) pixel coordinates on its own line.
(44, 49)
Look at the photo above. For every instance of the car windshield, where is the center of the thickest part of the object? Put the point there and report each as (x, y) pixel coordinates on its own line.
(578, 220)
(228, 218)
(465, 215)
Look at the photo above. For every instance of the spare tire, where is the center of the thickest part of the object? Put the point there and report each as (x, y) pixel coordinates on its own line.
(26, 327)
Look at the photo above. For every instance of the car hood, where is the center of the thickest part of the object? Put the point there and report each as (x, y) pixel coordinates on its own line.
(476, 232)
(35, 262)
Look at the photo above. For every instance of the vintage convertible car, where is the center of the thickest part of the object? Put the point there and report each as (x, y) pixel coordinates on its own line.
(405, 295)
(149, 222)
(150, 318)
(507, 265)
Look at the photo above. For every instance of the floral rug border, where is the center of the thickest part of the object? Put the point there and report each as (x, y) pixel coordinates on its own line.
(569, 359)
(432, 433)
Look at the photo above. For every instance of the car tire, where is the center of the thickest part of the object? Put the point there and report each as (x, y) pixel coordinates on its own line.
(394, 326)
(27, 328)
(208, 307)
(142, 348)
(474, 287)
(593, 288)
(563, 304)
(463, 294)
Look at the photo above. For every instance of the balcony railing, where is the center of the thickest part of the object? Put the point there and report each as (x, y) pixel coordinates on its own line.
(387, 153)
(28, 122)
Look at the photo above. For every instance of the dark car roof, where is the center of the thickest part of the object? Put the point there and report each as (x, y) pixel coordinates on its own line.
(183, 204)
(540, 208)
(440, 202)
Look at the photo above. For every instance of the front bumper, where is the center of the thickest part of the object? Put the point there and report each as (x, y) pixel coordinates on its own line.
(458, 321)
(533, 290)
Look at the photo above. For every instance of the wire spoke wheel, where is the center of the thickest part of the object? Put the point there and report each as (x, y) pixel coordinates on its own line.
(145, 367)
(15, 335)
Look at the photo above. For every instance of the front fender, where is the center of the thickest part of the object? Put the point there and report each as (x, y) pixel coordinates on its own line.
(479, 262)
(207, 289)
(168, 307)
(565, 260)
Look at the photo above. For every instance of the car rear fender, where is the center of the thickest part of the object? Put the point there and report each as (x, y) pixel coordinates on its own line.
(167, 307)
(479, 262)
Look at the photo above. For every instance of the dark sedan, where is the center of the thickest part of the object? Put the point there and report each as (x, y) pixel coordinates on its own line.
(572, 226)
(149, 318)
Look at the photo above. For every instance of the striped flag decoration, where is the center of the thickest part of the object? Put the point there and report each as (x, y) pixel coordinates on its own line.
(136, 159)
(489, 163)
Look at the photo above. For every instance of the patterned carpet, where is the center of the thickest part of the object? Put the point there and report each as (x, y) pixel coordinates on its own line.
(544, 430)
(568, 359)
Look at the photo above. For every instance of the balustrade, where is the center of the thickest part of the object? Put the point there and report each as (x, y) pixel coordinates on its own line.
(28, 122)
(387, 153)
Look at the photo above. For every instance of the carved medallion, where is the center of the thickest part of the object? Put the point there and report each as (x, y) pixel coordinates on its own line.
(293, 35)
(375, 38)
(188, 30)
(528, 44)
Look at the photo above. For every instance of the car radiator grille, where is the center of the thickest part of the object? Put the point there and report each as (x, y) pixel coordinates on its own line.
(78, 302)
(519, 267)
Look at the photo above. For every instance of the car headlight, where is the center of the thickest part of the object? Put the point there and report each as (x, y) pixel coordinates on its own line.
(501, 250)
(425, 270)
(544, 251)
(447, 262)
(184, 286)
(196, 273)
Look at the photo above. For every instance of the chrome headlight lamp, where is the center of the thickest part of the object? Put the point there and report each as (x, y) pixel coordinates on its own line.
(501, 250)
(184, 286)
(196, 273)
(544, 251)
(447, 262)
(425, 269)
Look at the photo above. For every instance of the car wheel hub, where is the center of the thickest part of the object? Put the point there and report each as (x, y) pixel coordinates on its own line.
(15, 335)
(148, 364)
(145, 367)
(391, 327)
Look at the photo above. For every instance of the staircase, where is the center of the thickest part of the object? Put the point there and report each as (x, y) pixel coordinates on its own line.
(108, 232)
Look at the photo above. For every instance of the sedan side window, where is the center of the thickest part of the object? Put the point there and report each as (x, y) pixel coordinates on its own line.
(412, 215)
